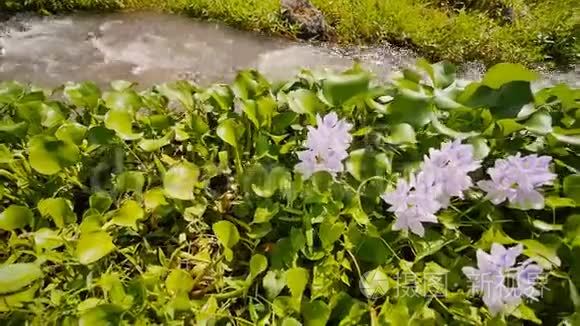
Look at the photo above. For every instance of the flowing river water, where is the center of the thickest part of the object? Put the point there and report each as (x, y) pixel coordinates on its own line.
(150, 48)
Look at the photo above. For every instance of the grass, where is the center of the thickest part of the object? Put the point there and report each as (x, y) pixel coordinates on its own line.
(455, 30)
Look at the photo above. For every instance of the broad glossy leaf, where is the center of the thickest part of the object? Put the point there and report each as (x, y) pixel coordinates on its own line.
(13, 301)
(93, 246)
(152, 145)
(101, 136)
(315, 313)
(47, 239)
(180, 91)
(338, 89)
(178, 281)
(543, 251)
(572, 187)
(60, 210)
(5, 154)
(274, 282)
(128, 214)
(180, 180)
(124, 101)
(121, 121)
(229, 131)
(105, 314)
(85, 94)
(48, 155)
(154, 198)
(329, 233)
(130, 181)
(227, 233)
(101, 201)
(540, 123)
(296, 280)
(15, 217)
(14, 277)
(258, 264)
(415, 111)
(503, 73)
(374, 283)
(72, 132)
(304, 101)
(442, 73)
(444, 130)
(401, 133)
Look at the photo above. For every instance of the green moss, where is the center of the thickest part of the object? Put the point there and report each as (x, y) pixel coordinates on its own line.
(437, 29)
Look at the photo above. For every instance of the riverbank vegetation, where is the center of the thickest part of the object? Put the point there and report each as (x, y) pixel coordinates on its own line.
(491, 31)
(328, 199)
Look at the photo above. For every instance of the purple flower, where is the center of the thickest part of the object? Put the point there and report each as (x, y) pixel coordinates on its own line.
(326, 146)
(516, 179)
(502, 282)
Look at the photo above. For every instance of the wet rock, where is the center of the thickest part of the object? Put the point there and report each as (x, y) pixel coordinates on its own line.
(307, 16)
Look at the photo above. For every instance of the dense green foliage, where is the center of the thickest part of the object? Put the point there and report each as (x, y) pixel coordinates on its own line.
(459, 31)
(180, 204)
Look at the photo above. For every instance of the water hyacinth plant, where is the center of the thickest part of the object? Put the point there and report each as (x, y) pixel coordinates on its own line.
(328, 199)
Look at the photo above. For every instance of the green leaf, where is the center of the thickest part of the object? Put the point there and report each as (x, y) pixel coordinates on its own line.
(363, 164)
(572, 187)
(258, 264)
(15, 217)
(152, 145)
(405, 108)
(72, 132)
(47, 239)
(297, 279)
(265, 214)
(503, 73)
(338, 89)
(315, 313)
(180, 91)
(304, 101)
(128, 214)
(289, 321)
(154, 198)
(329, 233)
(85, 94)
(130, 181)
(48, 155)
(227, 235)
(101, 201)
(180, 180)
(572, 229)
(179, 281)
(544, 252)
(5, 154)
(373, 250)
(229, 131)
(274, 282)
(101, 136)
(540, 123)
(14, 277)
(480, 147)
(374, 283)
(121, 121)
(558, 202)
(123, 101)
(93, 246)
(526, 313)
(402, 133)
(442, 73)
(444, 130)
(60, 210)
(547, 227)
(105, 314)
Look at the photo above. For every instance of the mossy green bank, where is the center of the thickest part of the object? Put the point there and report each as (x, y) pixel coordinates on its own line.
(530, 32)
